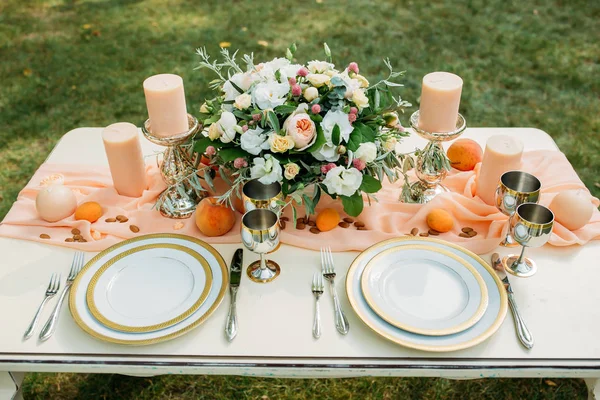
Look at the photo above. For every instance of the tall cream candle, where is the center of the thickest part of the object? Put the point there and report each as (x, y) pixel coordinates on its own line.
(502, 153)
(165, 100)
(440, 98)
(124, 153)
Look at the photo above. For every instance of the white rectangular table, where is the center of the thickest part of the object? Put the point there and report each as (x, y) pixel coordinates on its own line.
(560, 305)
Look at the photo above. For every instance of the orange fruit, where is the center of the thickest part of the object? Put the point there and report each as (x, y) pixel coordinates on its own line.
(90, 211)
(440, 220)
(327, 219)
(214, 219)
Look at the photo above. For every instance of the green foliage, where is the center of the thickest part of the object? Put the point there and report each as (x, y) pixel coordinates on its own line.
(370, 184)
(353, 205)
(361, 134)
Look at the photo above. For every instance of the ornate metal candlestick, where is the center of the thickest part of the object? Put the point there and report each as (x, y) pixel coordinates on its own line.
(432, 163)
(184, 192)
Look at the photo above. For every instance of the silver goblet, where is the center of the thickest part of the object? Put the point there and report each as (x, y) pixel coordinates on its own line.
(514, 189)
(531, 226)
(260, 234)
(258, 195)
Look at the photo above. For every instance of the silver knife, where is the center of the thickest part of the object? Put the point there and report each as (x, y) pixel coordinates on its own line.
(235, 276)
(523, 333)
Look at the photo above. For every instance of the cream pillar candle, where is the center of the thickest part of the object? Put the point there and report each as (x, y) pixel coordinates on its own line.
(440, 98)
(124, 153)
(502, 153)
(165, 100)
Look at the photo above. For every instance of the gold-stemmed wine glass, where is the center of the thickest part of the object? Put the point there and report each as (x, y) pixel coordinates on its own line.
(258, 195)
(260, 234)
(514, 189)
(531, 226)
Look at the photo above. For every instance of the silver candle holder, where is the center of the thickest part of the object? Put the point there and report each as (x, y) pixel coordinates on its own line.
(180, 198)
(432, 164)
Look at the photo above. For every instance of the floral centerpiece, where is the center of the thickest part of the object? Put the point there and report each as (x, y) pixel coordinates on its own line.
(314, 128)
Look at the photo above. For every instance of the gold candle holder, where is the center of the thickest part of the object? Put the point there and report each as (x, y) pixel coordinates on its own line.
(432, 164)
(184, 192)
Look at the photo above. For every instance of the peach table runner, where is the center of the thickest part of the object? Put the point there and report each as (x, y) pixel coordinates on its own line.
(384, 220)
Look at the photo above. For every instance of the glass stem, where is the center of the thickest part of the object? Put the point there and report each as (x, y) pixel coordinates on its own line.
(263, 264)
(520, 259)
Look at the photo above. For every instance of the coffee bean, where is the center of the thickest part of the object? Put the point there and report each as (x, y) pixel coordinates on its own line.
(300, 221)
(348, 220)
(134, 228)
(424, 234)
(344, 224)
(122, 218)
(83, 240)
(300, 226)
(414, 231)
(44, 236)
(312, 223)
(465, 235)
(75, 231)
(109, 220)
(315, 230)
(433, 232)
(69, 240)
(466, 229)
(359, 224)
(77, 237)
(361, 228)
(286, 219)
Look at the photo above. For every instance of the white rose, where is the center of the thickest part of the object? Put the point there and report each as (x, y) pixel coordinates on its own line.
(318, 80)
(280, 144)
(390, 144)
(342, 181)
(311, 93)
(268, 95)
(339, 118)
(291, 170)
(227, 124)
(366, 152)
(267, 169)
(242, 80)
(318, 67)
(360, 99)
(243, 101)
(254, 141)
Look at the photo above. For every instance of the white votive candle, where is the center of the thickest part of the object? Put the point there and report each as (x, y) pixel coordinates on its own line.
(440, 98)
(165, 100)
(124, 153)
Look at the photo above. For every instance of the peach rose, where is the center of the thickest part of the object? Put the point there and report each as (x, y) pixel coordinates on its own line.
(302, 129)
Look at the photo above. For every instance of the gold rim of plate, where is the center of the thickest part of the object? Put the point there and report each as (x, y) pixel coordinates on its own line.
(473, 342)
(170, 336)
(431, 332)
(148, 328)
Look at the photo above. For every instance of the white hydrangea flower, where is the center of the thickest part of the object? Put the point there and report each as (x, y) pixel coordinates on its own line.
(254, 141)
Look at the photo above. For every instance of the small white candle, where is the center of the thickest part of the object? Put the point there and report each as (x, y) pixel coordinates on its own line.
(440, 98)
(165, 100)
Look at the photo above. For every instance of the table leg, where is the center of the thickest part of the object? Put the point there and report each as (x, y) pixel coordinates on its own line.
(10, 385)
(593, 385)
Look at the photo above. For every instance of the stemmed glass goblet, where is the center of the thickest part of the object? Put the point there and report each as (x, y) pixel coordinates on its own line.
(531, 226)
(260, 234)
(514, 189)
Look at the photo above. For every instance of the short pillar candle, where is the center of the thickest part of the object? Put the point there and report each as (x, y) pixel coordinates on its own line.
(165, 100)
(125, 159)
(502, 153)
(440, 98)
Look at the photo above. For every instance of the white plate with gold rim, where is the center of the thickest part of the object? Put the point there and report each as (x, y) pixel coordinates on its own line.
(148, 287)
(425, 290)
(488, 324)
(84, 318)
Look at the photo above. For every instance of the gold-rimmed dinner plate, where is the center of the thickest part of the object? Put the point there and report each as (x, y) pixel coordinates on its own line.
(86, 320)
(425, 290)
(148, 287)
(488, 324)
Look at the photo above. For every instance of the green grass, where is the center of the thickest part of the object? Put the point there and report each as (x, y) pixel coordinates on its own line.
(68, 63)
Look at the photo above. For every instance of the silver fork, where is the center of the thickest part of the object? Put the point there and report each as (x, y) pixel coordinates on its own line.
(51, 290)
(50, 326)
(317, 289)
(328, 269)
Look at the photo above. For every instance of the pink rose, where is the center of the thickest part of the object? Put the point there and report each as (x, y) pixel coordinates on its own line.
(302, 129)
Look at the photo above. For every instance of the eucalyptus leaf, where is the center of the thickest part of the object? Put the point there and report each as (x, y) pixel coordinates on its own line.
(310, 206)
(209, 180)
(224, 176)
(294, 215)
(273, 121)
